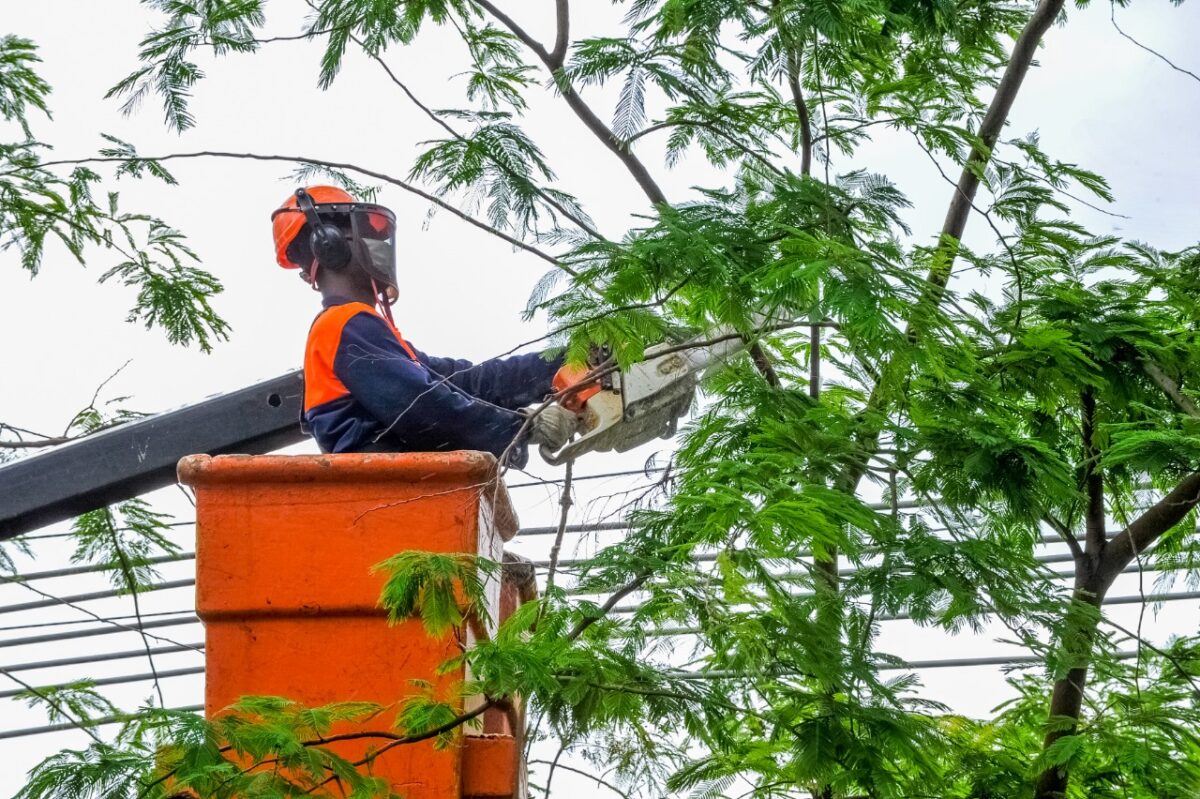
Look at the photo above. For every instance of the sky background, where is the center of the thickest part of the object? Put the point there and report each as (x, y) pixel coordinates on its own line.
(1095, 98)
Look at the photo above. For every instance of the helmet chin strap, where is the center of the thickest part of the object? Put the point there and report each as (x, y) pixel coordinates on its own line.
(381, 302)
(312, 275)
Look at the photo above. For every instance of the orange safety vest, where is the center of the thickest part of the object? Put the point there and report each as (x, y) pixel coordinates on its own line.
(321, 384)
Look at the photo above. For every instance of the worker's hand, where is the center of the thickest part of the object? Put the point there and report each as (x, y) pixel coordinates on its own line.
(552, 427)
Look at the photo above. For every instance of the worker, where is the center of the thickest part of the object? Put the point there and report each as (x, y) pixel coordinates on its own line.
(367, 389)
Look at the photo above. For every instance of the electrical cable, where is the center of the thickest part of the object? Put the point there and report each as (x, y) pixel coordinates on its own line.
(97, 722)
(72, 571)
(40, 625)
(49, 603)
(105, 629)
(123, 679)
(82, 659)
(915, 665)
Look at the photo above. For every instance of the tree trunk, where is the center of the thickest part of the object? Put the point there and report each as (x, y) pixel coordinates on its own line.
(1066, 701)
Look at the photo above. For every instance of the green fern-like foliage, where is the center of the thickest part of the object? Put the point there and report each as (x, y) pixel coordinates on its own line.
(40, 207)
(1036, 386)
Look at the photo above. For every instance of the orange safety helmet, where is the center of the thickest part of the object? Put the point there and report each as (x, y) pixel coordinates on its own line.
(366, 236)
(288, 225)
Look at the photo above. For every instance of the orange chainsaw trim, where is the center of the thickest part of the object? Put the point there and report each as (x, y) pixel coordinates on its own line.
(569, 376)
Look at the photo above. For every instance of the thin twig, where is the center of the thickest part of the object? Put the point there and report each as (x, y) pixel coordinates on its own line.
(296, 159)
(553, 765)
(580, 772)
(1180, 667)
(131, 582)
(565, 502)
(107, 621)
(433, 115)
(554, 62)
(52, 703)
(622, 592)
(1150, 50)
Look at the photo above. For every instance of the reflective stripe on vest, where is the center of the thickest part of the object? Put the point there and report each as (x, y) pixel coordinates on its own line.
(321, 384)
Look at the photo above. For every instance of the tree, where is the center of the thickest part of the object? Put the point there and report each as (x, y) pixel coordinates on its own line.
(173, 295)
(1053, 399)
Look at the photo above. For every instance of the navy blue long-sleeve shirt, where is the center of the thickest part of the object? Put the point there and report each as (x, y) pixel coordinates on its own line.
(367, 389)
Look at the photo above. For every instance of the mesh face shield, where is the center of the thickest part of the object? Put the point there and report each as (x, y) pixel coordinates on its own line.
(373, 244)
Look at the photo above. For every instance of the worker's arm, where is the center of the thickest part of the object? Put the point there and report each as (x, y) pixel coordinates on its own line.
(508, 382)
(403, 394)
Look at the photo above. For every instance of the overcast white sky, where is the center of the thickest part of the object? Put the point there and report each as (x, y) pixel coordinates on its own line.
(1096, 99)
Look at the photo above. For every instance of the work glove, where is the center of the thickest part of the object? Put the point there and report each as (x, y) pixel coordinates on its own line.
(552, 427)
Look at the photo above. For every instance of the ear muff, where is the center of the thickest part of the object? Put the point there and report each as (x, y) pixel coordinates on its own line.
(328, 243)
(330, 247)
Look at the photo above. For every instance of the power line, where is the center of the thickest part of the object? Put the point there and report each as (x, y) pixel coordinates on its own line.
(125, 678)
(106, 629)
(633, 473)
(667, 632)
(72, 571)
(65, 600)
(914, 665)
(702, 558)
(96, 722)
(43, 624)
(68, 533)
(947, 663)
(84, 659)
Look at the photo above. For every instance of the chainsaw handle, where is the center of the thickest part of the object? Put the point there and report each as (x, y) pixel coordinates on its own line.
(549, 456)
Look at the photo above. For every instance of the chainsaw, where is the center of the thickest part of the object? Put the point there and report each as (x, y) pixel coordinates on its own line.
(623, 409)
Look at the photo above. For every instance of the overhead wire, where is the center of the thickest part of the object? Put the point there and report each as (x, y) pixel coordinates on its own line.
(190, 618)
(101, 657)
(90, 596)
(70, 622)
(91, 568)
(96, 722)
(913, 665)
(107, 628)
(123, 679)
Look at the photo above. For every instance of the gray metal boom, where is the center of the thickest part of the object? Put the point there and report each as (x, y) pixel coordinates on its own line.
(136, 457)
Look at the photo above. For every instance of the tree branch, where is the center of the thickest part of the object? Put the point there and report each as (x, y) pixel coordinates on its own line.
(554, 62)
(297, 159)
(1167, 512)
(1096, 534)
(562, 34)
(954, 225)
(1146, 529)
(522, 34)
(46, 442)
(806, 134)
(1066, 535)
(617, 596)
(429, 112)
(1169, 387)
(763, 364)
(989, 131)
(394, 739)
